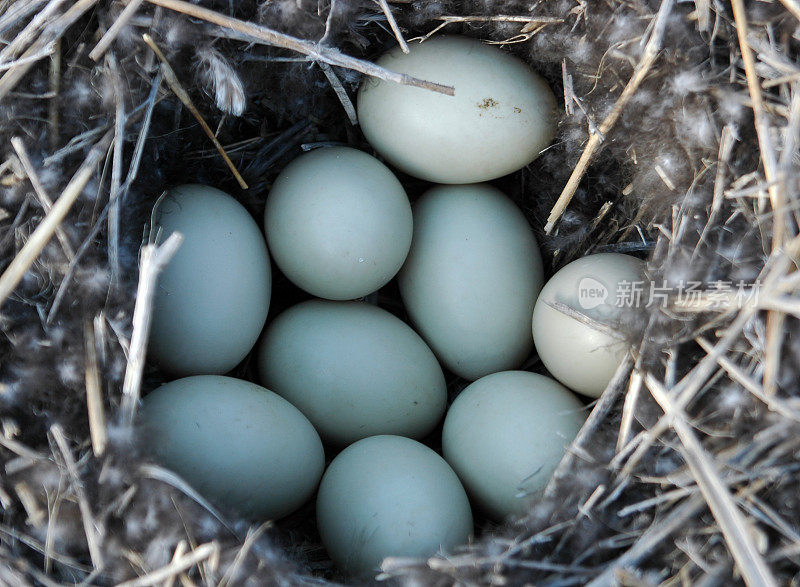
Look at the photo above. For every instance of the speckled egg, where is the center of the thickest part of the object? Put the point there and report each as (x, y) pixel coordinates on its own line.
(501, 117)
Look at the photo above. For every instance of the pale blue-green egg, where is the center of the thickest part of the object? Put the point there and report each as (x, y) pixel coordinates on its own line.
(354, 370)
(390, 496)
(213, 296)
(504, 435)
(338, 223)
(471, 278)
(235, 442)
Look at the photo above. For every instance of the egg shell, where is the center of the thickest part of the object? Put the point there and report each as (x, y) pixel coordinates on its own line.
(390, 496)
(502, 116)
(354, 370)
(471, 278)
(580, 355)
(212, 298)
(338, 223)
(236, 442)
(505, 434)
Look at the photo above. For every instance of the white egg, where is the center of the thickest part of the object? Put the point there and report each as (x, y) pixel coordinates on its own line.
(338, 223)
(390, 496)
(505, 434)
(237, 443)
(502, 116)
(471, 278)
(576, 315)
(212, 298)
(354, 370)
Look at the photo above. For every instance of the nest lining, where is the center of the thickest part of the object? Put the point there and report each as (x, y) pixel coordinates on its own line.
(685, 471)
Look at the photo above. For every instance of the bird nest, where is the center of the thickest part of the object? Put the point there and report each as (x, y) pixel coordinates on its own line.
(678, 142)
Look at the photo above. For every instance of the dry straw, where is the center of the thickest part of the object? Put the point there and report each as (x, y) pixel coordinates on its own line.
(678, 141)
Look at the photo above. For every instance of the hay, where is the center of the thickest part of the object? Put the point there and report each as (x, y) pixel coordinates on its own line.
(678, 140)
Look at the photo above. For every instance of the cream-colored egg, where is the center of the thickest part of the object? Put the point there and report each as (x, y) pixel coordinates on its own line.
(502, 116)
(338, 223)
(505, 434)
(212, 298)
(471, 279)
(354, 370)
(235, 442)
(390, 496)
(576, 315)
